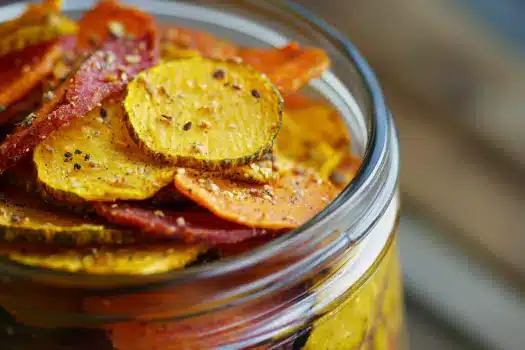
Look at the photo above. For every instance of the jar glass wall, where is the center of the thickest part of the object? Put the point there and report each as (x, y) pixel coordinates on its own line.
(334, 283)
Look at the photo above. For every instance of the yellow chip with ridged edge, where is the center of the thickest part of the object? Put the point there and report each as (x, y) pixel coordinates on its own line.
(94, 159)
(203, 113)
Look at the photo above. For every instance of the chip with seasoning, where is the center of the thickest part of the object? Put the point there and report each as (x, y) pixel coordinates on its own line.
(289, 67)
(189, 226)
(102, 74)
(94, 159)
(110, 19)
(286, 203)
(141, 259)
(185, 113)
(25, 218)
(38, 24)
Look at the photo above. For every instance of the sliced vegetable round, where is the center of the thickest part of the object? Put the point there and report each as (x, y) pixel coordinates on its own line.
(107, 260)
(39, 23)
(287, 203)
(26, 219)
(94, 159)
(203, 113)
(190, 226)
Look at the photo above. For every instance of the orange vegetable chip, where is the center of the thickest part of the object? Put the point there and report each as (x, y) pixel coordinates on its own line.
(111, 19)
(290, 67)
(286, 203)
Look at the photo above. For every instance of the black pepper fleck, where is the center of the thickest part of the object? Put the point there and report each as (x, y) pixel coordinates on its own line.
(77, 151)
(187, 126)
(68, 155)
(77, 166)
(256, 94)
(218, 74)
(167, 117)
(103, 113)
(86, 157)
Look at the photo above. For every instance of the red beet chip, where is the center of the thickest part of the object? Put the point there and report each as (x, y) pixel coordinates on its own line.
(104, 73)
(190, 226)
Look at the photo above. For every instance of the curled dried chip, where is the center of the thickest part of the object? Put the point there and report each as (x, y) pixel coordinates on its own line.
(104, 73)
(22, 71)
(39, 23)
(289, 67)
(25, 218)
(203, 113)
(190, 226)
(287, 203)
(313, 135)
(179, 40)
(319, 122)
(110, 19)
(144, 259)
(94, 159)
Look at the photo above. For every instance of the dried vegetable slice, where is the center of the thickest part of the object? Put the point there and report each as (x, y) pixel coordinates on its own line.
(143, 259)
(305, 140)
(190, 226)
(24, 218)
(297, 145)
(94, 159)
(38, 24)
(22, 71)
(289, 67)
(203, 113)
(104, 73)
(177, 41)
(286, 203)
(192, 333)
(319, 121)
(110, 19)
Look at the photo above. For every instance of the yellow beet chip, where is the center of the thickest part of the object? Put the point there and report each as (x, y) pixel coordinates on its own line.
(24, 218)
(304, 147)
(94, 159)
(106, 260)
(203, 113)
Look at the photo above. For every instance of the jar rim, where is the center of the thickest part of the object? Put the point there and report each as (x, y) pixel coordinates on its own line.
(376, 148)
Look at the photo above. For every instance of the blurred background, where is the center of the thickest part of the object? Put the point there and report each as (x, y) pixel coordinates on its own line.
(454, 75)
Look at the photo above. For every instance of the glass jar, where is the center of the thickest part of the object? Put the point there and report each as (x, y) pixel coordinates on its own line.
(333, 283)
